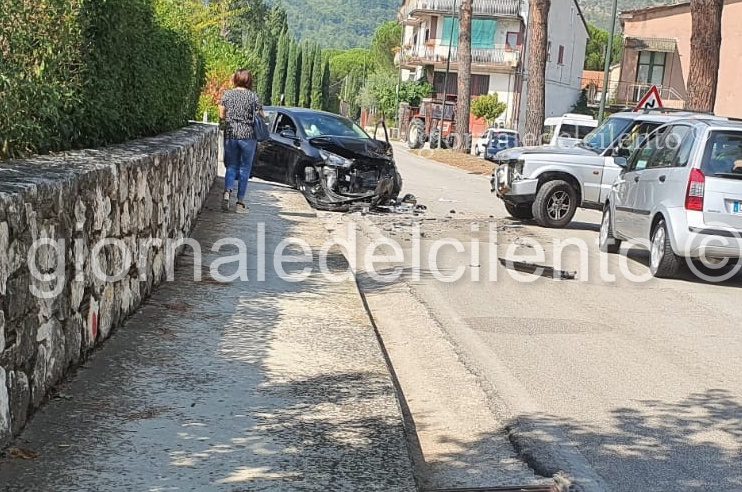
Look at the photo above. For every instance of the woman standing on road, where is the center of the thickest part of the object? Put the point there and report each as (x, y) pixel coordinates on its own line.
(238, 109)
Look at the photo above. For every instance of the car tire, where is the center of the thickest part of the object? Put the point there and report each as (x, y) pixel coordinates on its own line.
(663, 262)
(416, 134)
(607, 241)
(521, 212)
(555, 205)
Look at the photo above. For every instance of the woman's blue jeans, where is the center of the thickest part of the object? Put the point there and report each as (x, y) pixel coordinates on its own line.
(239, 156)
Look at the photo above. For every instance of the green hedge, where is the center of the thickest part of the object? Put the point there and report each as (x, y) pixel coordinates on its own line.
(81, 73)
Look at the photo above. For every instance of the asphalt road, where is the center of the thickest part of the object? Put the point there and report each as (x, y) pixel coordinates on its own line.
(625, 386)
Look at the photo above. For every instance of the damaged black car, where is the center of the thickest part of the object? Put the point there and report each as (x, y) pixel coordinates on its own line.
(330, 159)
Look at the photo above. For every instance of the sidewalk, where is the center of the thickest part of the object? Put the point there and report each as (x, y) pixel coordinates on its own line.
(240, 386)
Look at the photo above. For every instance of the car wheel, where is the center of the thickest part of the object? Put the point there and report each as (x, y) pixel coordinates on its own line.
(555, 205)
(416, 134)
(663, 262)
(522, 212)
(608, 242)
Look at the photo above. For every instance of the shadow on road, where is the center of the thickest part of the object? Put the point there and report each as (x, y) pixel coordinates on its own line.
(688, 445)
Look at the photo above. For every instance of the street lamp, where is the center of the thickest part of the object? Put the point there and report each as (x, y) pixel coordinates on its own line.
(607, 68)
(445, 79)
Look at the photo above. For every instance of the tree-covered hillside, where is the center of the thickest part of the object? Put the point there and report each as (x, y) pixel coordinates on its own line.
(338, 24)
(598, 12)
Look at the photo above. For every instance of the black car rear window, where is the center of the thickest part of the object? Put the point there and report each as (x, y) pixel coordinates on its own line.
(723, 155)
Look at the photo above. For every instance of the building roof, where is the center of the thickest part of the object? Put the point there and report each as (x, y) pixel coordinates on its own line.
(656, 8)
(677, 5)
(651, 44)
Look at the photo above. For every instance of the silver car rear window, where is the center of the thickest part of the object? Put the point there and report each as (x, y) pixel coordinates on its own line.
(723, 156)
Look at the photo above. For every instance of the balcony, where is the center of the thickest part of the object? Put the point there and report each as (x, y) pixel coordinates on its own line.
(485, 8)
(492, 59)
(628, 94)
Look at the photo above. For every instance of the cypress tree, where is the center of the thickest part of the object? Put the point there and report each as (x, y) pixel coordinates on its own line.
(279, 74)
(307, 64)
(326, 86)
(258, 48)
(299, 60)
(292, 89)
(317, 99)
(267, 62)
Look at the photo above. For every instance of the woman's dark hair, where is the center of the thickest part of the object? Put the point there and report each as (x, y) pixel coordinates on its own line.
(242, 78)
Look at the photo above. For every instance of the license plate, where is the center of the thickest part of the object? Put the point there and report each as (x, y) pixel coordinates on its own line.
(737, 208)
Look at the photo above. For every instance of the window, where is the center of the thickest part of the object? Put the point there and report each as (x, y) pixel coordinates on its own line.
(635, 137)
(651, 68)
(321, 125)
(512, 40)
(561, 55)
(548, 134)
(669, 146)
(574, 131)
(640, 159)
(603, 137)
(480, 84)
(482, 33)
(723, 156)
(284, 123)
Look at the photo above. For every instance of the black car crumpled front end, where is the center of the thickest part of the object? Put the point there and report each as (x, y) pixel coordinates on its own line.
(350, 172)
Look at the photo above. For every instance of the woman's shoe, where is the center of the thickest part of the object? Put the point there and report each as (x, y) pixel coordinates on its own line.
(242, 208)
(225, 201)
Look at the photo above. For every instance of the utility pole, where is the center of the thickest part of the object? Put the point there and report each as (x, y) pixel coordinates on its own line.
(608, 56)
(448, 71)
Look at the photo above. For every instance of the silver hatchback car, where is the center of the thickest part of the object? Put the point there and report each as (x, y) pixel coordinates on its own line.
(680, 195)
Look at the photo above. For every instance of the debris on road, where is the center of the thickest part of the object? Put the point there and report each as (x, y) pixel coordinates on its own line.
(22, 454)
(536, 269)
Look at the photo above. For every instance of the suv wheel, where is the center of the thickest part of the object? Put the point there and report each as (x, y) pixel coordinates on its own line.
(663, 262)
(608, 242)
(555, 205)
(522, 212)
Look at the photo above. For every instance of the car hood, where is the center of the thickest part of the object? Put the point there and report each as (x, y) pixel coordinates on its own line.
(522, 152)
(354, 148)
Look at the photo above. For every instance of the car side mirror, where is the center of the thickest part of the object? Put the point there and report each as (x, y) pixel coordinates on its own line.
(288, 133)
(621, 162)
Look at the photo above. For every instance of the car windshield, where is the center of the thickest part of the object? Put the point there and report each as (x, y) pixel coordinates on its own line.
(503, 139)
(723, 157)
(602, 137)
(327, 125)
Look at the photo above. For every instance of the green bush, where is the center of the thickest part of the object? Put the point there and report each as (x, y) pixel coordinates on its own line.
(79, 73)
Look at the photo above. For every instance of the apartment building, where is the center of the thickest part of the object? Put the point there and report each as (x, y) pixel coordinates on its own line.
(657, 52)
(499, 64)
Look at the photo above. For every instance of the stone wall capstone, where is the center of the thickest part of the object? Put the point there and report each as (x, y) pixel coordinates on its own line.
(77, 214)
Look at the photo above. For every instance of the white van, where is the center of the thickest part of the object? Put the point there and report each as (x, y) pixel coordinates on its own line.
(567, 130)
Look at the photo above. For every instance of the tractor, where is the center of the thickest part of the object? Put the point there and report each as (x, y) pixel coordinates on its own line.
(425, 124)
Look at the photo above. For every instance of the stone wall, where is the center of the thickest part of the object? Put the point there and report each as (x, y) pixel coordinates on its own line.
(138, 193)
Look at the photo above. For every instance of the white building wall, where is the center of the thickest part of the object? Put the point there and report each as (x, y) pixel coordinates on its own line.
(566, 29)
(504, 86)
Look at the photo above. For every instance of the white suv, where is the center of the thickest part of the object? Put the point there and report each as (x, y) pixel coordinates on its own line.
(549, 183)
(680, 195)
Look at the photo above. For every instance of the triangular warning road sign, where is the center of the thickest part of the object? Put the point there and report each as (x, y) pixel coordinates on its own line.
(650, 100)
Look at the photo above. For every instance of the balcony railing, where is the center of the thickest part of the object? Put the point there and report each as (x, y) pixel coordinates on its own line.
(628, 94)
(499, 56)
(493, 8)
